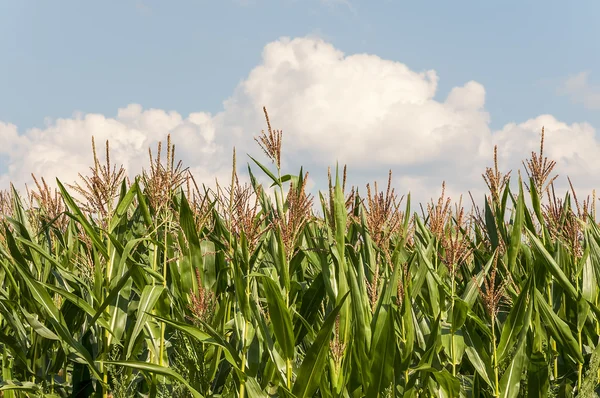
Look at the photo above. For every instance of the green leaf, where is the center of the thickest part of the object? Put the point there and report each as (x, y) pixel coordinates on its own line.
(10, 385)
(538, 380)
(558, 328)
(81, 218)
(490, 223)
(148, 299)
(79, 302)
(254, 389)
(459, 314)
(472, 291)
(157, 369)
(535, 202)
(311, 370)
(340, 216)
(39, 327)
(518, 319)
(553, 267)
(208, 336)
(286, 178)
(267, 172)
(510, 384)
(448, 384)
(383, 350)
(589, 291)
(192, 259)
(478, 356)
(112, 295)
(280, 317)
(143, 206)
(121, 211)
(515, 236)
(311, 303)
(431, 346)
(408, 331)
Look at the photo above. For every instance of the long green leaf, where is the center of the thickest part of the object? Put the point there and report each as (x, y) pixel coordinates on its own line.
(281, 318)
(148, 299)
(558, 328)
(552, 266)
(310, 372)
(515, 322)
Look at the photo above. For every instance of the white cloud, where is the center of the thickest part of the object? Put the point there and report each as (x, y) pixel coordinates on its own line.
(63, 147)
(574, 147)
(359, 109)
(581, 91)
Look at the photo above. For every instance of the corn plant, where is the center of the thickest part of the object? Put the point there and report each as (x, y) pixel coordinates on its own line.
(160, 287)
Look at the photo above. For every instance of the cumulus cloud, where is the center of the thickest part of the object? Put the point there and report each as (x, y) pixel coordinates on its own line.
(371, 113)
(363, 109)
(581, 91)
(574, 147)
(63, 147)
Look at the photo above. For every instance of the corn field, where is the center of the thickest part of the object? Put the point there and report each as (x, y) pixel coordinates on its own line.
(159, 286)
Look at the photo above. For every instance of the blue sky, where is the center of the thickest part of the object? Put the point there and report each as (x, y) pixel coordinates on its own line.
(189, 56)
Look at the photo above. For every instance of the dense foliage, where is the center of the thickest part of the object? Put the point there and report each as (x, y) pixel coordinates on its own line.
(157, 287)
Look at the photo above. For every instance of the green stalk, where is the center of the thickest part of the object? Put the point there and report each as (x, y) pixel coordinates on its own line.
(35, 351)
(243, 382)
(245, 336)
(495, 359)
(107, 275)
(404, 341)
(161, 350)
(280, 209)
(247, 292)
(580, 365)
(167, 218)
(106, 336)
(154, 268)
(288, 362)
(552, 342)
(219, 349)
(288, 371)
(452, 327)
(155, 260)
(597, 334)
(7, 370)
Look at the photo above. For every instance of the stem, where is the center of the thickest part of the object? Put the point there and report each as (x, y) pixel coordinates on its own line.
(598, 334)
(404, 340)
(580, 365)
(452, 328)
(280, 208)
(495, 358)
(7, 367)
(106, 335)
(288, 362)
(244, 353)
(35, 350)
(243, 382)
(552, 342)
(155, 260)
(165, 263)
(246, 326)
(104, 368)
(288, 368)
